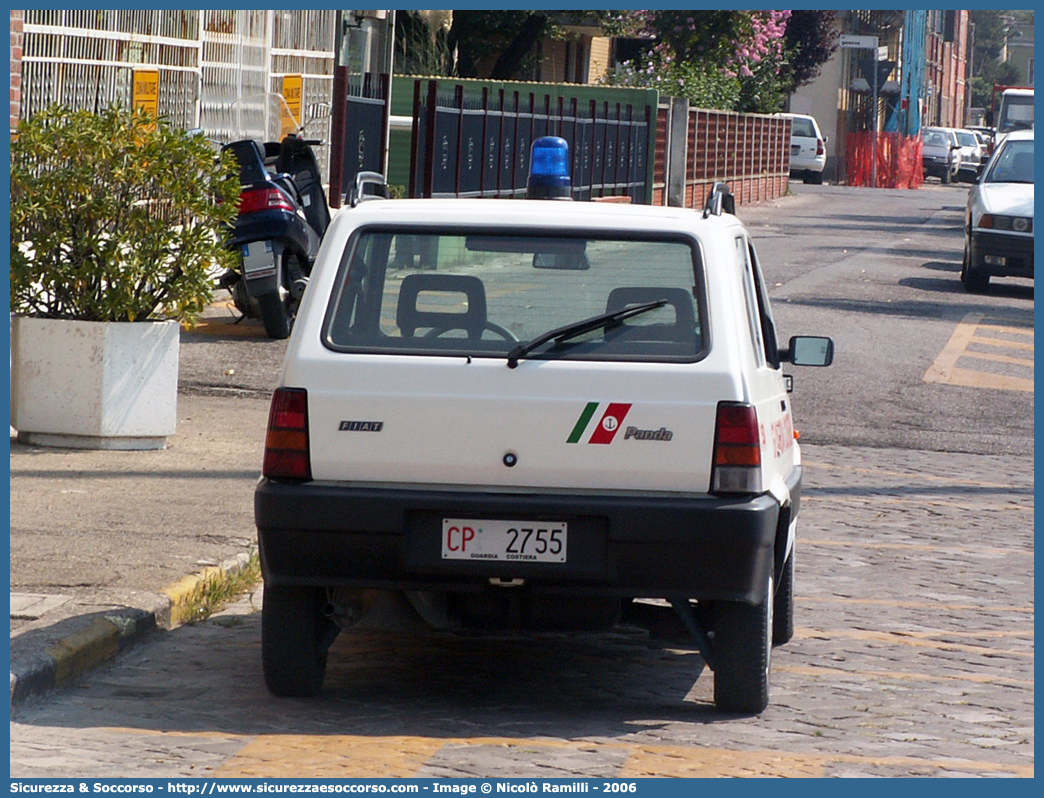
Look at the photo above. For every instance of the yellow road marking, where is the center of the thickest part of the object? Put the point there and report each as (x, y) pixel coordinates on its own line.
(1015, 361)
(945, 369)
(230, 327)
(1003, 343)
(909, 604)
(820, 670)
(330, 756)
(682, 762)
(918, 640)
(359, 756)
(968, 378)
(998, 324)
(862, 544)
(879, 498)
(907, 475)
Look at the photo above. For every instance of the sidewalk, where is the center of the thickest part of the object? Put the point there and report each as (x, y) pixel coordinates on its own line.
(107, 546)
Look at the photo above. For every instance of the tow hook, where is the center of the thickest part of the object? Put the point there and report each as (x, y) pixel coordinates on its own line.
(497, 581)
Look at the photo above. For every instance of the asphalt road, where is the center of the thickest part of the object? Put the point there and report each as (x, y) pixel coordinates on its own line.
(879, 272)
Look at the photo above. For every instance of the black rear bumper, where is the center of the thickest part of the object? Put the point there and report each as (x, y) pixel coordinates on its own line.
(653, 546)
(1017, 251)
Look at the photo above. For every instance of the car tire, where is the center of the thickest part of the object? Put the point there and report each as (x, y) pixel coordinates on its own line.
(783, 605)
(295, 639)
(974, 277)
(946, 177)
(816, 178)
(742, 652)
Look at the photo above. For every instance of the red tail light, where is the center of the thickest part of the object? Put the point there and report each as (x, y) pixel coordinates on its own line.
(737, 450)
(820, 149)
(263, 199)
(286, 446)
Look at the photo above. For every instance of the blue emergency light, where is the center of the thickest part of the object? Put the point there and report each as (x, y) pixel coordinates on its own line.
(549, 169)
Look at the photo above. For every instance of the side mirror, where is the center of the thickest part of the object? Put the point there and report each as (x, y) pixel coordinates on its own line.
(809, 350)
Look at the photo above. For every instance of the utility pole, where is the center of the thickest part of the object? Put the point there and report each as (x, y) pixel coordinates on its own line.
(971, 74)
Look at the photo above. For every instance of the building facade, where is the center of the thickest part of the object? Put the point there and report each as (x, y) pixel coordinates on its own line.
(923, 57)
(216, 70)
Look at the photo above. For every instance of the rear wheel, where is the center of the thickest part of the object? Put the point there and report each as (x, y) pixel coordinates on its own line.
(295, 638)
(279, 308)
(946, 177)
(274, 315)
(975, 278)
(816, 178)
(742, 652)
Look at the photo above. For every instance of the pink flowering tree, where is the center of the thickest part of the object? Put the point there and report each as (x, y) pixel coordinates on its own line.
(736, 60)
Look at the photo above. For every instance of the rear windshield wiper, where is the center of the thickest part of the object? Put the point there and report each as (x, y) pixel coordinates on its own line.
(578, 328)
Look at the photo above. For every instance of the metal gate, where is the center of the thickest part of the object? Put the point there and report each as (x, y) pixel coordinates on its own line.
(479, 146)
(215, 67)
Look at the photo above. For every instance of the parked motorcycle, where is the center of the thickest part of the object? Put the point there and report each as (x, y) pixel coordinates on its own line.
(283, 215)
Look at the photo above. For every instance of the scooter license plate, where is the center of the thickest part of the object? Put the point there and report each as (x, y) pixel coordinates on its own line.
(504, 541)
(258, 259)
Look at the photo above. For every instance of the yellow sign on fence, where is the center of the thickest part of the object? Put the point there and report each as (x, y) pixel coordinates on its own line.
(290, 111)
(145, 92)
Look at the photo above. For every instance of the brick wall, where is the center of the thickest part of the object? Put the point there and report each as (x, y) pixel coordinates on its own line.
(748, 152)
(17, 18)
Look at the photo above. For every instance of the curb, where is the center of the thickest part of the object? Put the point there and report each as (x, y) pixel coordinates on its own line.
(35, 672)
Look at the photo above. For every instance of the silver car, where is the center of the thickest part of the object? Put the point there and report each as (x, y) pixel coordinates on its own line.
(941, 153)
(998, 221)
(973, 155)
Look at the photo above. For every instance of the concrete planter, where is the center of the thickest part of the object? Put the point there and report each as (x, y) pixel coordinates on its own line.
(94, 385)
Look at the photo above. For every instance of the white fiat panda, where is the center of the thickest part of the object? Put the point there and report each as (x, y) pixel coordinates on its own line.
(525, 414)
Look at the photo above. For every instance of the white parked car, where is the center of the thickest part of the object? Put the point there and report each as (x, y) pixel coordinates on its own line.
(807, 148)
(973, 155)
(998, 221)
(940, 153)
(524, 414)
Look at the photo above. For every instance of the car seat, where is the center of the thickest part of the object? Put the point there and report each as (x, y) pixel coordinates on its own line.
(469, 290)
(682, 330)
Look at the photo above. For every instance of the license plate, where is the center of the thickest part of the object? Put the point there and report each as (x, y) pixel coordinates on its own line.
(504, 541)
(795, 149)
(258, 259)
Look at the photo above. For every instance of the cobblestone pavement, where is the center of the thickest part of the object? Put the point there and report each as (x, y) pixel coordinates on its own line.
(913, 657)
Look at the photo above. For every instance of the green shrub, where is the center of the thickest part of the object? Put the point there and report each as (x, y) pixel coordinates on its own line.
(116, 216)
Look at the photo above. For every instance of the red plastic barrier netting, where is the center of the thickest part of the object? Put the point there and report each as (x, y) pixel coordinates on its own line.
(898, 160)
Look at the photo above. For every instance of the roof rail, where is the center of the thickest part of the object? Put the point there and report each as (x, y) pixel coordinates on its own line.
(720, 199)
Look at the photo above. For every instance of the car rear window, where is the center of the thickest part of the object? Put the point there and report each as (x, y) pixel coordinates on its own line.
(480, 293)
(933, 139)
(802, 128)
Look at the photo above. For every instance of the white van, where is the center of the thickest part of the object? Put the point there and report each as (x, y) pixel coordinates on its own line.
(1015, 112)
(525, 414)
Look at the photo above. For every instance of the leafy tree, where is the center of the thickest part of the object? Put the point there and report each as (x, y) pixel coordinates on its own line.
(742, 60)
(992, 28)
(736, 56)
(811, 39)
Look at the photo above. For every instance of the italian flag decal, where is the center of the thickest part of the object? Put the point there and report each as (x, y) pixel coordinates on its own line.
(610, 420)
